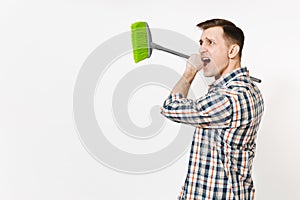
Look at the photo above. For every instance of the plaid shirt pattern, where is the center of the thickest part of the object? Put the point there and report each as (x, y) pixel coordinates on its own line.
(223, 147)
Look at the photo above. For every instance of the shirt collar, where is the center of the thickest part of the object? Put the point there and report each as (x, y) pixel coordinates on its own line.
(223, 80)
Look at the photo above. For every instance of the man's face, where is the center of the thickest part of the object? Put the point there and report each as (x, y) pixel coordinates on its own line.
(214, 47)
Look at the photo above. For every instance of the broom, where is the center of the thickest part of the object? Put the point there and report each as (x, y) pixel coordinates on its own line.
(142, 44)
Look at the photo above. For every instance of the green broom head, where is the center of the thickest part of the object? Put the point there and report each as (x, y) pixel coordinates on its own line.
(141, 41)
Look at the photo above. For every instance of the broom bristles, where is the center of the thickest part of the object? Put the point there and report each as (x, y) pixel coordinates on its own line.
(139, 40)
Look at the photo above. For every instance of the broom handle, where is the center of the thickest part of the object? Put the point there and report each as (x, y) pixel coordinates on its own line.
(158, 47)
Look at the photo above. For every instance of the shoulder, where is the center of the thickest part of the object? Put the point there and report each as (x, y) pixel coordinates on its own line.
(241, 85)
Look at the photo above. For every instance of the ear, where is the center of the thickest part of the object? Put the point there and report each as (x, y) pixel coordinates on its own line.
(233, 50)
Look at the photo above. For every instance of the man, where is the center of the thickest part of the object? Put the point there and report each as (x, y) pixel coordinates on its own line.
(226, 118)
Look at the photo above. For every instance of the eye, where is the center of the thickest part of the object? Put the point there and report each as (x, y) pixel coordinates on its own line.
(200, 42)
(211, 42)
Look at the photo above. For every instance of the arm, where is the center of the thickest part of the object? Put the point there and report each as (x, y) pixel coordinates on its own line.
(192, 67)
(212, 110)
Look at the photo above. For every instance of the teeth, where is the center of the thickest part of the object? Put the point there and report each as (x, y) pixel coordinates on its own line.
(206, 60)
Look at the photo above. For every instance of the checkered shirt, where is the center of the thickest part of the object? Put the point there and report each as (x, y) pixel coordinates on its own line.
(226, 119)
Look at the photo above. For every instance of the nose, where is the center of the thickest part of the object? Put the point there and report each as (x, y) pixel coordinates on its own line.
(202, 49)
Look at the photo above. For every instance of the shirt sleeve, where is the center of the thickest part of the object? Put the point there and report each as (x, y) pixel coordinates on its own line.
(211, 111)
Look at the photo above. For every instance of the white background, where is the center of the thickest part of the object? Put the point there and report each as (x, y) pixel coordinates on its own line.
(42, 47)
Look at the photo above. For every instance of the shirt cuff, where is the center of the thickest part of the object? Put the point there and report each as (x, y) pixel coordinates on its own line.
(171, 98)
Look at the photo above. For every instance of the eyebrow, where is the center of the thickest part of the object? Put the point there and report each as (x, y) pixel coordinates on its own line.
(206, 38)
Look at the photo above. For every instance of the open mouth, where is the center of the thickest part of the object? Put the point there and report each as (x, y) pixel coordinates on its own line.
(205, 60)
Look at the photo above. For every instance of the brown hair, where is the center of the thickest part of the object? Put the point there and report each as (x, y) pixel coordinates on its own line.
(231, 32)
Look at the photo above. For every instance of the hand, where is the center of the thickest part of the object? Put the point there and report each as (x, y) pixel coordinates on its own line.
(195, 62)
(193, 65)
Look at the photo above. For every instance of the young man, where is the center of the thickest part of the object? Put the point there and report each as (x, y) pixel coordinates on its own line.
(226, 118)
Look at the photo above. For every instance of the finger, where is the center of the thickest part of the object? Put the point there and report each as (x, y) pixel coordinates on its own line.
(195, 61)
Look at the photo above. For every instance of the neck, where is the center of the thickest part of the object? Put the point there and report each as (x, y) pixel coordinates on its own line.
(232, 65)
